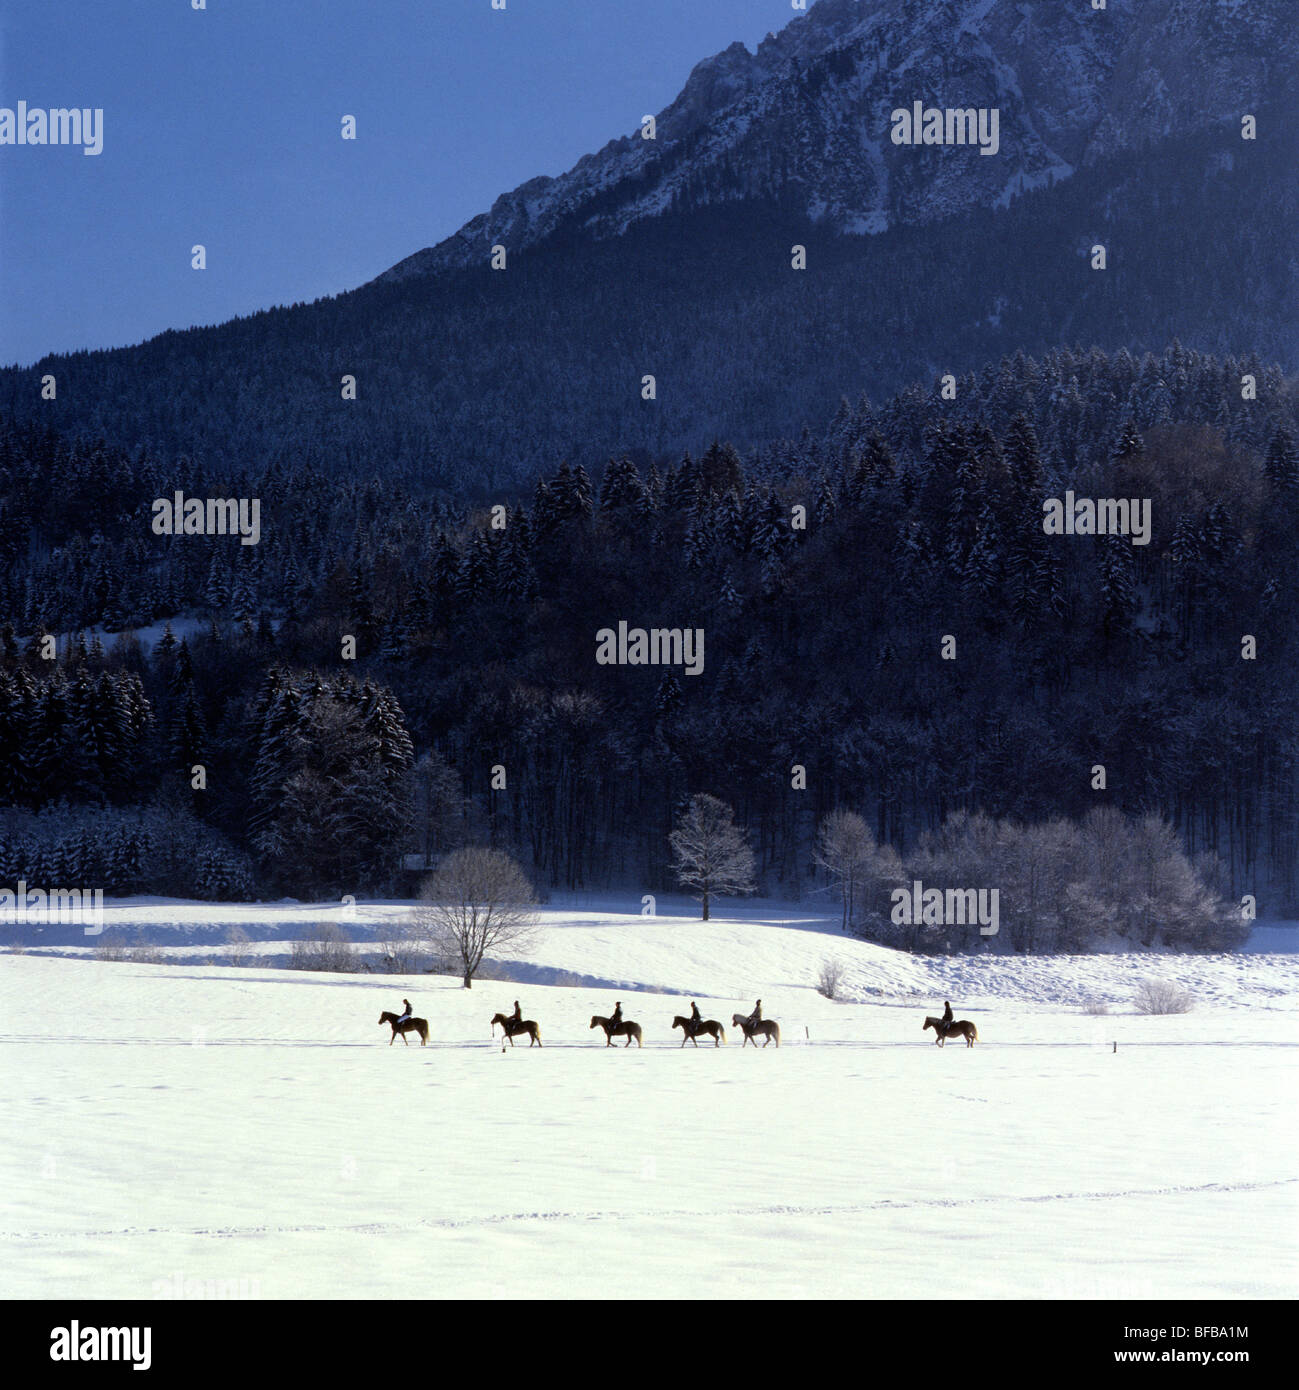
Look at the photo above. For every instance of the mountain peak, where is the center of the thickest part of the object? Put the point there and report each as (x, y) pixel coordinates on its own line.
(806, 118)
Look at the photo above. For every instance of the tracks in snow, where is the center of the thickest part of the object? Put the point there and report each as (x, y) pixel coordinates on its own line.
(435, 1223)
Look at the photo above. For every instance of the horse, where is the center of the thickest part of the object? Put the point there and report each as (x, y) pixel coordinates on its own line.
(961, 1028)
(511, 1027)
(708, 1025)
(768, 1027)
(417, 1025)
(611, 1031)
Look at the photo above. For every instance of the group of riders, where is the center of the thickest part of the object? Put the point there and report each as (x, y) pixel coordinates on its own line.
(515, 1020)
(696, 1018)
(514, 1023)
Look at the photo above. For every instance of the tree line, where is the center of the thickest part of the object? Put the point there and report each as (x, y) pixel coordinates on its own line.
(475, 713)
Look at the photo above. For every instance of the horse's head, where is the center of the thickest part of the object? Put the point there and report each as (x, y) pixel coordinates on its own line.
(498, 1018)
(594, 1021)
(385, 1017)
(929, 1023)
(680, 1022)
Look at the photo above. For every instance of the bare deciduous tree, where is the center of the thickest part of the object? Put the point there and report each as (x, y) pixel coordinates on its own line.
(846, 849)
(710, 851)
(477, 901)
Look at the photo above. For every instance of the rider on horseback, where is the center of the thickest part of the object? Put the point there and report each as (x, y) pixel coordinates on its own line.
(405, 1013)
(615, 1019)
(515, 1020)
(695, 1018)
(755, 1018)
(947, 1018)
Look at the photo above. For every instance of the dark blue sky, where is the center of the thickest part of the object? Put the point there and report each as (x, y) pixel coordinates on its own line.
(221, 127)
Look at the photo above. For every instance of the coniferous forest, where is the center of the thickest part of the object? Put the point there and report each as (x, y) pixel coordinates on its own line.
(830, 574)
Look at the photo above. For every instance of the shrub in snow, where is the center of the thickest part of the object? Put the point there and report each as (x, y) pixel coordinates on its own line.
(325, 947)
(111, 947)
(829, 978)
(1162, 997)
(1096, 1007)
(403, 950)
(238, 946)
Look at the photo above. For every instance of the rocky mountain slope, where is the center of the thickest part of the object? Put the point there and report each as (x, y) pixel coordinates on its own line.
(805, 120)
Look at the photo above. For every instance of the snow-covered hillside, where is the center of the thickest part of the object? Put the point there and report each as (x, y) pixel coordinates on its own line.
(201, 1124)
(604, 941)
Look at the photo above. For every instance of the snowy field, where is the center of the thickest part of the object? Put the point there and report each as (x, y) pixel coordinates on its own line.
(226, 1130)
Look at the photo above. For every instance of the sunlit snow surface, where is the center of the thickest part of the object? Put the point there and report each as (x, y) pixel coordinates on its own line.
(222, 1129)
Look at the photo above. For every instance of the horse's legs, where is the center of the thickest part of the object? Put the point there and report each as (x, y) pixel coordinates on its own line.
(405, 1039)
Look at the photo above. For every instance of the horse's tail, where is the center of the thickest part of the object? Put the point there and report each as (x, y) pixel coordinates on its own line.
(776, 1028)
(974, 1032)
(722, 1031)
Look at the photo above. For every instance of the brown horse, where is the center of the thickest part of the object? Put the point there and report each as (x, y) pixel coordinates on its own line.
(512, 1029)
(611, 1032)
(708, 1025)
(769, 1028)
(962, 1028)
(411, 1025)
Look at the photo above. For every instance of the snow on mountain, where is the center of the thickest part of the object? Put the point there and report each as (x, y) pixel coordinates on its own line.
(806, 119)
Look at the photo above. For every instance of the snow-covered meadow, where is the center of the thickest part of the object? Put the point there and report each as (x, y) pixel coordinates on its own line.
(214, 1130)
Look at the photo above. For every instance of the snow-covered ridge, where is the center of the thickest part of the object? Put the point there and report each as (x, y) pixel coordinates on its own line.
(806, 117)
